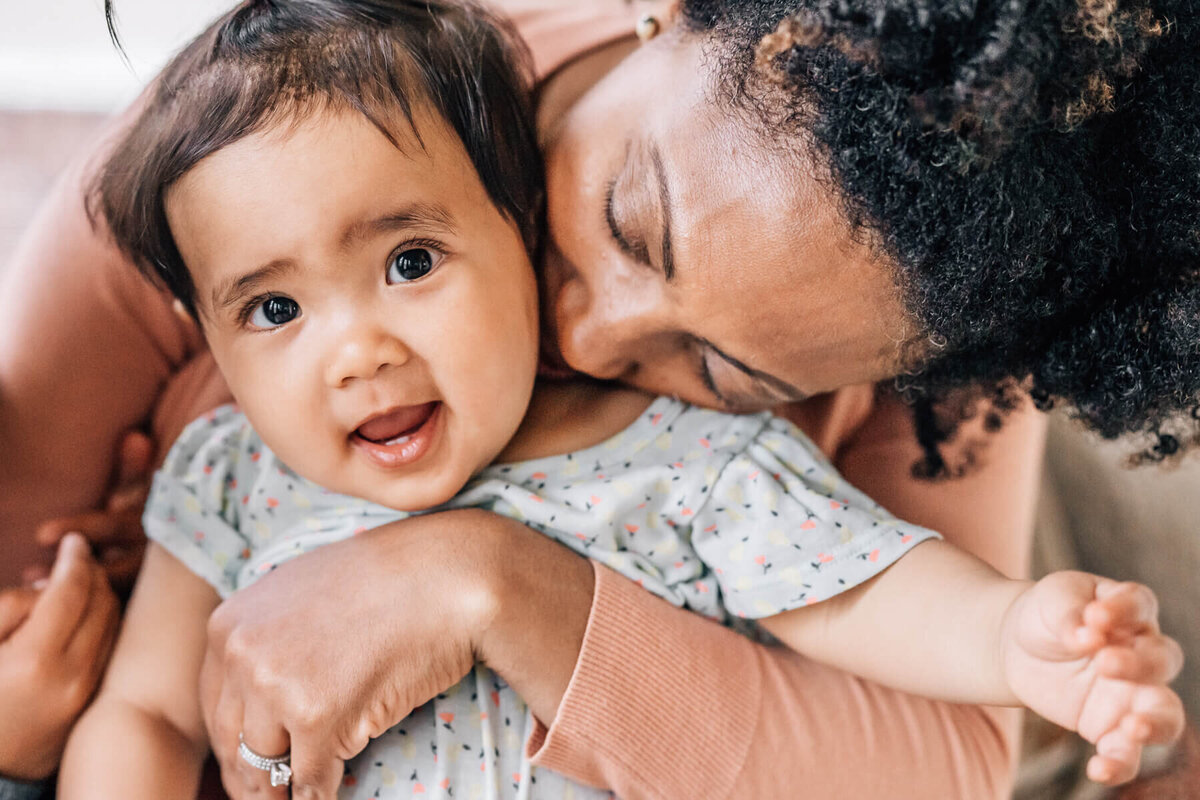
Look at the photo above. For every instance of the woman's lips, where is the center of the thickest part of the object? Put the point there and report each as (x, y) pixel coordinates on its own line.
(398, 437)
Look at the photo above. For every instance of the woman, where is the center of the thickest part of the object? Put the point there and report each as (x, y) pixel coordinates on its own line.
(744, 213)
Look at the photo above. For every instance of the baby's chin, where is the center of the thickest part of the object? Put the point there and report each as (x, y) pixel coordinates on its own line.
(399, 494)
(412, 493)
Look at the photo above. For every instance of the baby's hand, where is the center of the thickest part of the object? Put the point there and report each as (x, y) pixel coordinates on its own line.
(54, 645)
(1086, 653)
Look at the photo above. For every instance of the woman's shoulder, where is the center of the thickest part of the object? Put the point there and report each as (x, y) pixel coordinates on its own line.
(559, 31)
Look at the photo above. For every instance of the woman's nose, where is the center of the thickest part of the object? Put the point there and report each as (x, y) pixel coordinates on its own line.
(609, 328)
(361, 352)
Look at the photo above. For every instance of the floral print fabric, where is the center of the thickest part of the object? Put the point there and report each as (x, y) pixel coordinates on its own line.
(733, 517)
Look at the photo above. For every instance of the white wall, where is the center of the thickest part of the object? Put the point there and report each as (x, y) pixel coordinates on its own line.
(55, 54)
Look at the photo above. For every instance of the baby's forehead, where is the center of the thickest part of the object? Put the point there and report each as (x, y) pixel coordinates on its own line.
(318, 189)
(306, 159)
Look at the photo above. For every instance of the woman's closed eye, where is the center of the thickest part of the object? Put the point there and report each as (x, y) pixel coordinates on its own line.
(411, 263)
(635, 248)
(270, 312)
(739, 387)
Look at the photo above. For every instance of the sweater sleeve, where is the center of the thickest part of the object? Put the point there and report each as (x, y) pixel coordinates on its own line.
(665, 704)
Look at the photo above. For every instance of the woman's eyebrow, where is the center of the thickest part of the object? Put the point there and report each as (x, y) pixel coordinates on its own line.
(664, 201)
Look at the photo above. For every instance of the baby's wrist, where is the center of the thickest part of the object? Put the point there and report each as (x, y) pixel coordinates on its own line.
(1020, 595)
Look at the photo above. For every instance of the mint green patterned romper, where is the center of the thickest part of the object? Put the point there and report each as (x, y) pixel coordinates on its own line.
(732, 517)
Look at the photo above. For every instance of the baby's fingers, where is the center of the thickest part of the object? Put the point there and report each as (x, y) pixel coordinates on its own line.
(1117, 759)
(1156, 716)
(1149, 659)
(1122, 608)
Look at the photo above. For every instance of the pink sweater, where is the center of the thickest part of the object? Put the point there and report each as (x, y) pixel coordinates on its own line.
(662, 703)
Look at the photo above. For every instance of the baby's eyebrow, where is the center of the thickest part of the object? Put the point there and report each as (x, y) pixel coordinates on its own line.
(231, 291)
(427, 216)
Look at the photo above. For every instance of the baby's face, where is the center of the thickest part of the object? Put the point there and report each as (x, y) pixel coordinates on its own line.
(373, 312)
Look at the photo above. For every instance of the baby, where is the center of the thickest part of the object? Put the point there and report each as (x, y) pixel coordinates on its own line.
(345, 196)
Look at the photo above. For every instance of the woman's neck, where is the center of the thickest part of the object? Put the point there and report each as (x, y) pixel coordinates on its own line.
(566, 416)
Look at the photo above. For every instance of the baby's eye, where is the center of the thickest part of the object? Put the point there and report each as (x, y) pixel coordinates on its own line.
(412, 264)
(274, 311)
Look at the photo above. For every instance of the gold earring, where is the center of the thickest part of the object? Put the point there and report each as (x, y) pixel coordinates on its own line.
(647, 27)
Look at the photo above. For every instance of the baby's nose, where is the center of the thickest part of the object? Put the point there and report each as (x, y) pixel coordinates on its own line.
(360, 355)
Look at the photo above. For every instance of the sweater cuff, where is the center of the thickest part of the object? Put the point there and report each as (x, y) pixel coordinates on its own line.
(14, 790)
(663, 702)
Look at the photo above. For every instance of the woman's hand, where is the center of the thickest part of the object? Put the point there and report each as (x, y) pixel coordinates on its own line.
(115, 532)
(54, 644)
(338, 645)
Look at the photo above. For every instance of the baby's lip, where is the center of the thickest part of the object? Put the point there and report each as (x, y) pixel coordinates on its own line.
(388, 425)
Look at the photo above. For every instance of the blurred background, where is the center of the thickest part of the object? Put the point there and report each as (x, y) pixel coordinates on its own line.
(60, 78)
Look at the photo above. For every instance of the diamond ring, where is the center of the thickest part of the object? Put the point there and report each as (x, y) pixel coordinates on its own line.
(280, 769)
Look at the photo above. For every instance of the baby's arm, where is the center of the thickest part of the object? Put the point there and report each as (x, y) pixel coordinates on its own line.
(1083, 651)
(144, 736)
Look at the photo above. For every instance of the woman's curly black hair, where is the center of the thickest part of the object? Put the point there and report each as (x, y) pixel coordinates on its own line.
(1031, 167)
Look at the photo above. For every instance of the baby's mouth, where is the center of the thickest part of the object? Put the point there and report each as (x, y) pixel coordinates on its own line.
(396, 426)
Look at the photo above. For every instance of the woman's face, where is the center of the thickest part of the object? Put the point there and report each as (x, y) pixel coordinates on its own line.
(687, 258)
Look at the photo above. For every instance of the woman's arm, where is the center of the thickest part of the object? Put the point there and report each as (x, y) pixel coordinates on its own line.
(665, 704)
(646, 699)
(144, 737)
(87, 350)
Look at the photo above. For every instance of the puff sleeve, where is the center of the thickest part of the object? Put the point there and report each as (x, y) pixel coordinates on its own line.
(782, 529)
(192, 510)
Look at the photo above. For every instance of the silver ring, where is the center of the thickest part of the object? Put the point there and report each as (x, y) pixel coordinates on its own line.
(279, 766)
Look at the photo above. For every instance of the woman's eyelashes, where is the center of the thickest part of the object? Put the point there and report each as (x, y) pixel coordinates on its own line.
(732, 387)
(413, 262)
(633, 246)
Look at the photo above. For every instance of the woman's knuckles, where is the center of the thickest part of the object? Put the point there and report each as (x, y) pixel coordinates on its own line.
(220, 623)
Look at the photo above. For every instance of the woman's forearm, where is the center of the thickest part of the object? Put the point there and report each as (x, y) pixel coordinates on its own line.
(538, 625)
(649, 700)
(72, 391)
(664, 703)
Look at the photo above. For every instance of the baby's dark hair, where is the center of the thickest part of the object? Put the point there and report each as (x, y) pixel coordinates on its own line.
(271, 61)
(1031, 167)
